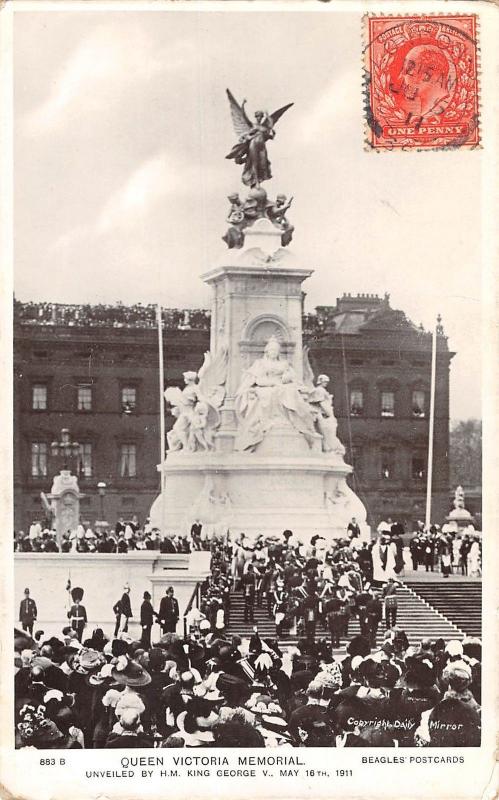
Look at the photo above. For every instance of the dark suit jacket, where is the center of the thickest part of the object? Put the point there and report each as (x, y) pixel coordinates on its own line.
(168, 609)
(27, 611)
(146, 613)
(123, 606)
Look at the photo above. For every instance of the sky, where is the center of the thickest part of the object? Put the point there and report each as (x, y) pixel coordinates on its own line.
(120, 178)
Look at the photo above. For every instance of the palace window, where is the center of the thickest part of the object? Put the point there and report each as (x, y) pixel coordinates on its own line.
(356, 402)
(128, 461)
(387, 404)
(418, 468)
(84, 398)
(39, 452)
(387, 463)
(418, 403)
(85, 460)
(39, 397)
(128, 398)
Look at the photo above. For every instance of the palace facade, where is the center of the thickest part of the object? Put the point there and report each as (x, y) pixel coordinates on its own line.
(94, 370)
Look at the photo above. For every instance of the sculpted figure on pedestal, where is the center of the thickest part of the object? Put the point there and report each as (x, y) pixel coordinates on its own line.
(322, 403)
(196, 405)
(458, 498)
(270, 392)
(251, 149)
(276, 212)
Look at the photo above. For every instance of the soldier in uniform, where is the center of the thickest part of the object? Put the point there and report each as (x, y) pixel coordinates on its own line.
(334, 608)
(391, 604)
(168, 612)
(27, 613)
(375, 615)
(362, 602)
(146, 621)
(249, 589)
(123, 608)
(77, 614)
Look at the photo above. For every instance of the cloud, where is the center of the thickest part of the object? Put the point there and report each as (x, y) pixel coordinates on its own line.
(99, 69)
(151, 181)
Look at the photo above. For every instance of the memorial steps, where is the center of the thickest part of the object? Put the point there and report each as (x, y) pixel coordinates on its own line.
(415, 616)
(460, 602)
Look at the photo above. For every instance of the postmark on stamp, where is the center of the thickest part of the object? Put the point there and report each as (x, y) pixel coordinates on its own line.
(421, 82)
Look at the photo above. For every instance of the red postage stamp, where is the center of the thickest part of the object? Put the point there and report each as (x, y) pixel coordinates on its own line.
(421, 82)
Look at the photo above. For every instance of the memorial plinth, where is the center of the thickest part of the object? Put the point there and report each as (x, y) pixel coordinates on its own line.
(286, 480)
(254, 447)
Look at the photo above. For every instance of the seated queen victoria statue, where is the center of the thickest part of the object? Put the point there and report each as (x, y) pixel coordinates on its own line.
(270, 393)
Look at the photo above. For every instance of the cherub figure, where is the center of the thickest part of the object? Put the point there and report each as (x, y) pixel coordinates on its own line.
(276, 212)
(236, 219)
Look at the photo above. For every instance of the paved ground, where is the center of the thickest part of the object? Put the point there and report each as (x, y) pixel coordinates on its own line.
(421, 575)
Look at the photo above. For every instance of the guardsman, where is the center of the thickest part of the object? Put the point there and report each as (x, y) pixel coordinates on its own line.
(27, 613)
(77, 614)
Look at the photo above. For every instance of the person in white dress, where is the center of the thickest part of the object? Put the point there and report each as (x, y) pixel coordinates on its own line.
(384, 555)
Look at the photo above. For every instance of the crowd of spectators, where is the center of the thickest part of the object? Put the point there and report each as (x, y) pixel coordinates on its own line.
(125, 537)
(109, 316)
(446, 551)
(212, 688)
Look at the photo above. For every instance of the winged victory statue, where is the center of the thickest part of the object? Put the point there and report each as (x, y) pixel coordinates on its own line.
(251, 149)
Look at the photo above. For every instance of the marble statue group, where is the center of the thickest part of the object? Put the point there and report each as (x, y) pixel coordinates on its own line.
(269, 393)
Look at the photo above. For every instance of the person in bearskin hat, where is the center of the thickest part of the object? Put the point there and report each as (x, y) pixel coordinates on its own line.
(77, 614)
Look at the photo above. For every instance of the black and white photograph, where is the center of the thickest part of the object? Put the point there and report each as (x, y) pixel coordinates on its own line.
(248, 391)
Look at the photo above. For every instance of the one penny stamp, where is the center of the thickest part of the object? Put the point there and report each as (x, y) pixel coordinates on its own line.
(421, 82)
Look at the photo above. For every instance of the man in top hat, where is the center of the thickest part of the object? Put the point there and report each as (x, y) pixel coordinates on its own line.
(77, 614)
(27, 613)
(123, 608)
(168, 612)
(146, 621)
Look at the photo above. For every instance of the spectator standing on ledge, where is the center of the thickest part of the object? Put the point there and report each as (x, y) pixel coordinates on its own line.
(27, 613)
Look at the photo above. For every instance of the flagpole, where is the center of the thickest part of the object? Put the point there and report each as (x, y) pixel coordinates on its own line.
(429, 476)
(161, 412)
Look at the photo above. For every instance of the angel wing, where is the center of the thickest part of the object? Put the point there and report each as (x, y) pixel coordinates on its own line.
(212, 376)
(240, 121)
(278, 114)
(308, 374)
(173, 396)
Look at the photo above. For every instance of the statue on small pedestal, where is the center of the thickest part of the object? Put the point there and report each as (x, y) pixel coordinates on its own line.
(251, 150)
(322, 403)
(196, 405)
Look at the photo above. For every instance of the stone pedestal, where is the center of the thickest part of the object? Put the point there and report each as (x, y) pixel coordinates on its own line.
(255, 493)
(287, 481)
(65, 498)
